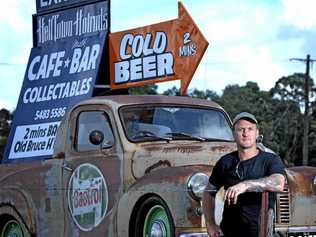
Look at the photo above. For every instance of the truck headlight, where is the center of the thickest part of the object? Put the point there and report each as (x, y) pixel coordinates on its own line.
(196, 185)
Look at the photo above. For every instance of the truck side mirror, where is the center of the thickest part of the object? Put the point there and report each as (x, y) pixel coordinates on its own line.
(96, 137)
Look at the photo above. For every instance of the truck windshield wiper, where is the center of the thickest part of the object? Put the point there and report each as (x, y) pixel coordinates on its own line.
(144, 133)
(182, 134)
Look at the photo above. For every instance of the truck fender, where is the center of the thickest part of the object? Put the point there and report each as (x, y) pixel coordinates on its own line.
(169, 184)
(18, 204)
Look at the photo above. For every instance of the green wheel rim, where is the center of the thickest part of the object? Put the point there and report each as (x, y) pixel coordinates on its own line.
(12, 229)
(157, 214)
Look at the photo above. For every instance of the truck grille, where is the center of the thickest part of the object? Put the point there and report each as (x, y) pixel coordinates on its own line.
(283, 207)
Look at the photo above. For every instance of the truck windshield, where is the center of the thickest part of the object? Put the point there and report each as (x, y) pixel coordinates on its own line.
(143, 123)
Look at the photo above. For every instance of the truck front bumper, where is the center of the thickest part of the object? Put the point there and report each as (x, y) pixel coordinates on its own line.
(300, 231)
(200, 234)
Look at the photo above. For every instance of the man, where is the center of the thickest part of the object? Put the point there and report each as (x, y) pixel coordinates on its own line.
(245, 174)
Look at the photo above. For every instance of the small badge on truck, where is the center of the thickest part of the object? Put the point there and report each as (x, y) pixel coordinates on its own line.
(87, 196)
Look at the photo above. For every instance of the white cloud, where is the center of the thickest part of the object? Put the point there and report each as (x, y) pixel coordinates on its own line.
(133, 14)
(7, 104)
(263, 69)
(17, 15)
(300, 13)
(220, 30)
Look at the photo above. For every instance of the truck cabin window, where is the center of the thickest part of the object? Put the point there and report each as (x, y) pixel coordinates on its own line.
(93, 122)
(142, 123)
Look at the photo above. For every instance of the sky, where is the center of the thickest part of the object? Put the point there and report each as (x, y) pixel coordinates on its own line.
(249, 40)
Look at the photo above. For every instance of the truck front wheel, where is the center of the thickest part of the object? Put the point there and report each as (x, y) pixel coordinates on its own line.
(11, 227)
(154, 219)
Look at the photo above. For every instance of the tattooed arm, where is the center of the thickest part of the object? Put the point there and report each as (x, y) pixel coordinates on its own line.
(272, 183)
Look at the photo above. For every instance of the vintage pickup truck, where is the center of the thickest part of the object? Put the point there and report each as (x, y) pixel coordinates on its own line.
(135, 166)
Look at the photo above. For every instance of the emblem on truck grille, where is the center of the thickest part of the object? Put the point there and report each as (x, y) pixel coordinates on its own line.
(87, 196)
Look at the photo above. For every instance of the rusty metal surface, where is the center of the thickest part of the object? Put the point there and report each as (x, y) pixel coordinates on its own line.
(109, 162)
(34, 194)
(150, 157)
(302, 196)
(170, 184)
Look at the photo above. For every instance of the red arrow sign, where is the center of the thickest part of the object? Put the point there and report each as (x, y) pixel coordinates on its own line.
(161, 52)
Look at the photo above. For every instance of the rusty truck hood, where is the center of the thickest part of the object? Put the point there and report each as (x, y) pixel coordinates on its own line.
(155, 156)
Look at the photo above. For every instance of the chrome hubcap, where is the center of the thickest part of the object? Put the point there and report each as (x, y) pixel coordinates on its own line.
(158, 229)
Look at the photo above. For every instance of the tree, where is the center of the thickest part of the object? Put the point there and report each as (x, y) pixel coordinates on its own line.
(174, 91)
(291, 88)
(312, 135)
(285, 131)
(246, 98)
(5, 122)
(144, 90)
(208, 94)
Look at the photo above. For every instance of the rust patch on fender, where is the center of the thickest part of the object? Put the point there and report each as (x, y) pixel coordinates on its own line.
(221, 148)
(182, 149)
(159, 164)
(300, 179)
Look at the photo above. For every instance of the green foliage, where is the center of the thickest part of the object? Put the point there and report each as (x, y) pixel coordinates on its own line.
(312, 136)
(172, 91)
(290, 91)
(246, 98)
(144, 90)
(291, 88)
(208, 94)
(5, 121)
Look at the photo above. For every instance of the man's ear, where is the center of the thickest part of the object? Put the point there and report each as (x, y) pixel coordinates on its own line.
(257, 131)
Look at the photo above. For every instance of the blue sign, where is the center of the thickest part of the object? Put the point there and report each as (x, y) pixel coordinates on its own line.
(82, 21)
(59, 74)
(49, 5)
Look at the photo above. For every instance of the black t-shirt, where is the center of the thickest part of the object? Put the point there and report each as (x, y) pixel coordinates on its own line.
(229, 170)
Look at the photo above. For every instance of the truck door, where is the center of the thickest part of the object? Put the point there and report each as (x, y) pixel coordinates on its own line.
(92, 173)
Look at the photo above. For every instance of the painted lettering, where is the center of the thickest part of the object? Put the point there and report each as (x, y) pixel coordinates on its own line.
(138, 45)
(84, 60)
(143, 58)
(88, 197)
(47, 3)
(43, 67)
(144, 68)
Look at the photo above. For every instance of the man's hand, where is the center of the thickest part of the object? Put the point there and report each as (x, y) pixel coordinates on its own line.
(272, 183)
(214, 230)
(233, 192)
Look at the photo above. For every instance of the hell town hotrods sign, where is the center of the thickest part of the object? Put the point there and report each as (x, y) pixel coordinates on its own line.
(161, 52)
(61, 71)
(73, 23)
